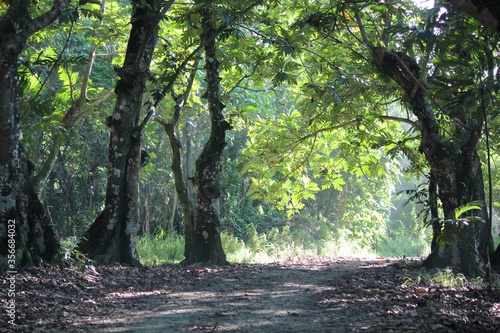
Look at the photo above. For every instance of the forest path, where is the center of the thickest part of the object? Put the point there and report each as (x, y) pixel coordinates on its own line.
(309, 296)
(277, 298)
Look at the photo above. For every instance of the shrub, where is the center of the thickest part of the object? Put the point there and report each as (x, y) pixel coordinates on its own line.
(160, 249)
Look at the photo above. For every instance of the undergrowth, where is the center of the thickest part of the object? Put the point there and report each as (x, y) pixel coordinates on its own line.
(296, 240)
(442, 277)
(280, 244)
(160, 249)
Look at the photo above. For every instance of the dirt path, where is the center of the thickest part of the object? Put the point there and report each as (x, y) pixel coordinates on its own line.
(272, 299)
(340, 296)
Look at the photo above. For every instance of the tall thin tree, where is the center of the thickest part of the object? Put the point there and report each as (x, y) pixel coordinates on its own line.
(112, 236)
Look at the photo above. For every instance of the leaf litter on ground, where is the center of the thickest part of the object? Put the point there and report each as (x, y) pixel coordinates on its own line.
(343, 295)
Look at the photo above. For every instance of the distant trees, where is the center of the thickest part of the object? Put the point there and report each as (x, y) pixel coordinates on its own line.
(77, 99)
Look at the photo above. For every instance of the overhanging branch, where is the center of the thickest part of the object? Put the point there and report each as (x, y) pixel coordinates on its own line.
(487, 12)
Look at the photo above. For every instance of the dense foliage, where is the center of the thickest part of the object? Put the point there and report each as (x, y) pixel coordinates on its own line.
(324, 151)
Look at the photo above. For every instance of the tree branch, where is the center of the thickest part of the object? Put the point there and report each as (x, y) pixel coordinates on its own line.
(487, 12)
(399, 119)
(44, 20)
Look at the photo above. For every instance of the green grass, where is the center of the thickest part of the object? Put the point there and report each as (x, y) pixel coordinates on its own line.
(277, 245)
(443, 277)
(160, 249)
(310, 239)
(260, 248)
(404, 246)
(283, 245)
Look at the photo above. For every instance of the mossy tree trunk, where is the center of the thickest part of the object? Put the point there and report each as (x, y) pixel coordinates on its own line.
(455, 167)
(20, 207)
(206, 243)
(488, 13)
(112, 236)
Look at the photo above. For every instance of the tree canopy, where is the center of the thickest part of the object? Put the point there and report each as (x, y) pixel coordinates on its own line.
(267, 115)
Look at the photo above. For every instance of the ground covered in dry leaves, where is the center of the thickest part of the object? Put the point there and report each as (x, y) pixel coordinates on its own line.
(311, 296)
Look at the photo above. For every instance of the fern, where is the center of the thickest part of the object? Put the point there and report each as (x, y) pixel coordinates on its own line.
(474, 205)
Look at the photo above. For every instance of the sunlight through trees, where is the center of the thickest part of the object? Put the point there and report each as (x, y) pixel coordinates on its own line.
(310, 128)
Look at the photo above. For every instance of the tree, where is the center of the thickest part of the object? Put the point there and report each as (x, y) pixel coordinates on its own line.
(456, 172)
(66, 78)
(201, 212)
(452, 154)
(181, 182)
(207, 246)
(443, 92)
(19, 205)
(485, 11)
(112, 236)
(201, 217)
(79, 106)
(488, 13)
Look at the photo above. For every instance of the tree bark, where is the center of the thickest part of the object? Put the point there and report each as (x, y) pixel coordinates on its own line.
(180, 179)
(35, 239)
(488, 13)
(207, 246)
(434, 212)
(181, 184)
(170, 225)
(112, 236)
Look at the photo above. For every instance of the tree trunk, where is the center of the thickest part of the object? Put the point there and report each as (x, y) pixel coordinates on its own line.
(434, 211)
(23, 220)
(180, 179)
(485, 11)
(488, 13)
(456, 169)
(181, 188)
(207, 246)
(466, 252)
(170, 225)
(112, 237)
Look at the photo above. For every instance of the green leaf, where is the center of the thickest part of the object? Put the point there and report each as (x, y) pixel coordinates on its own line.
(474, 205)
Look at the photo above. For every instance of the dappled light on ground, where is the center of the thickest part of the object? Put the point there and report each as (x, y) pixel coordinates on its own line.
(379, 295)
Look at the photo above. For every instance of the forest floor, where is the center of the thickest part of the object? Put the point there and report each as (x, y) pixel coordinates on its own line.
(341, 295)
